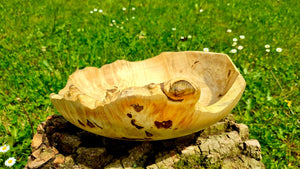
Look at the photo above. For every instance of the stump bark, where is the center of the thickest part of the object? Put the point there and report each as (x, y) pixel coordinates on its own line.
(59, 144)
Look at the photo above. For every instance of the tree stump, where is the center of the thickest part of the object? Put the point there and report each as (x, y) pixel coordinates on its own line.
(59, 144)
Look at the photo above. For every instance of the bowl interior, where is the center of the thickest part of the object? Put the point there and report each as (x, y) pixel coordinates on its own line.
(213, 73)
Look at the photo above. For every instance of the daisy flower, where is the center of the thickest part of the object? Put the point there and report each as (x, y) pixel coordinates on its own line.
(205, 49)
(182, 37)
(100, 10)
(240, 47)
(201, 10)
(133, 17)
(267, 50)
(234, 39)
(189, 36)
(4, 149)
(133, 8)
(10, 161)
(113, 21)
(278, 50)
(124, 9)
(44, 48)
(233, 51)
(95, 9)
(267, 46)
(234, 44)
(173, 29)
(242, 37)
(91, 11)
(229, 30)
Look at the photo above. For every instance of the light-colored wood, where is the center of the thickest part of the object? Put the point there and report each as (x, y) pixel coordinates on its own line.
(167, 96)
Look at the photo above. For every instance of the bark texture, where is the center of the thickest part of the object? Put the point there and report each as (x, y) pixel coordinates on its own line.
(59, 144)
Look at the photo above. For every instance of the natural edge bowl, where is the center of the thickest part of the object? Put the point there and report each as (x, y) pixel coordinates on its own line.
(167, 96)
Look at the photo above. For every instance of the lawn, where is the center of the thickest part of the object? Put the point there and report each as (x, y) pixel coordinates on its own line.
(43, 42)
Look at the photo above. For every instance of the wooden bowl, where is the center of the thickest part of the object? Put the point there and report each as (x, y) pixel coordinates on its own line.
(167, 96)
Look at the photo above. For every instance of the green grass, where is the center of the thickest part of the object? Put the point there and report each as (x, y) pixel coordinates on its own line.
(43, 42)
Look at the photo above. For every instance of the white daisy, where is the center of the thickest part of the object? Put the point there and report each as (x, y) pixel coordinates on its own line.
(234, 39)
(242, 37)
(229, 30)
(133, 17)
(201, 10)
(233, 51)
(182, 37)
(205, 49)
(91, 11)
(173, 29)
(95, 10)
(10, 162)
(240, 47)
(234, 44)
(44, 48)
(267, 46)
(133, 8)
(100, 10)
(124, 9)
(113, 21)
(278, 50)
(267, 50)
(4, 149)
(189, 36)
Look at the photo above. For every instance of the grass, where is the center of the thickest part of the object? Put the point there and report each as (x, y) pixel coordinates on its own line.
(43, 42)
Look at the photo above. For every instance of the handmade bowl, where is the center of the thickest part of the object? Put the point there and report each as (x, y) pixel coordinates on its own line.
(167, 96)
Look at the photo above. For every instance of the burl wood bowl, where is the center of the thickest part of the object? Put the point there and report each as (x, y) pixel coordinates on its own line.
(167, 96)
